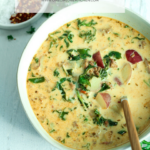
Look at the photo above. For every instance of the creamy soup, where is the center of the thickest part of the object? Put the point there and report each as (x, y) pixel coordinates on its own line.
(78, 76)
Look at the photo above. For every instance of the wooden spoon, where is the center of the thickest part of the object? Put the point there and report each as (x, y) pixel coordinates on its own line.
(133, 136)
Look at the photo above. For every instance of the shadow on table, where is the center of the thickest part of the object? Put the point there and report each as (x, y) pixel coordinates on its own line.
(13, 113)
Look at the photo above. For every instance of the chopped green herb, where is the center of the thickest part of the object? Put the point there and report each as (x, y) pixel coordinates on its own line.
(10, 37)
(83, 104)
(147, 83)
(103, 73)
(52, 43)
(61, 114)
(103, 88)
(122, 132)
(53, 130)
(145, 145)
(84, 23)
(56, 73)
(83, 133)
(55, 33)
(100, 120)
(67, 35)
(33, 75)
(63, 141)
(32, 30)
(137, 39)
(48, 14)
(75, 55)
(61, 47)
(69, 71)
(85, 119)
(97, 112)
(68, 24)
(36, 60)
(137, 128)
(88, 35)
(67, 135)
(67, 43)
(87, 146)
(37, 80)
(47, 122)
(108, 38)
(126, 26)
(117, 34)
(115, 54)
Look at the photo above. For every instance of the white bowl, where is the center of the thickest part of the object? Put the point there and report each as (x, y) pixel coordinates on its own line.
(52, 24)
(25, 23)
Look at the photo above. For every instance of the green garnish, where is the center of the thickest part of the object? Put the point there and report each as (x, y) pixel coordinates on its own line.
(53, 130)
(126, 26)
(68, 24)
(33, 75)
(10, 37)
(97, 112)
(86, 146)
(100, 120)
(122, 132)
(85, 119)
(147, 83)
(61, 47)
(32, 30)
(36, 60)
(69, 71)
(115, 54)
(67, 35)
(78, 54)
(63, 93)
(88, 35)
(67, 135)
(108, 38)
(55, 33)
(117, 34)
(56, 73)
(137, 39)
(83, 104)
(85, 23)
(67, 43)
(63, 141)
(61, 114)
(48, 14)
(145, 145)
(84, 78)
(103, 88)
(37, 80)
(52, 43)
(83, 133)
(103, 73)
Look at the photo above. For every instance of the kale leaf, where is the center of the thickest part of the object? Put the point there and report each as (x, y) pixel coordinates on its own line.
(37, 80)
(56, 73)
(122, 132)
(85, 23)
(61, 114)
(100, 120)
(78, 54)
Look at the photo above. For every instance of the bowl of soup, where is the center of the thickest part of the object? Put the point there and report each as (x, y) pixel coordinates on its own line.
(73, 73)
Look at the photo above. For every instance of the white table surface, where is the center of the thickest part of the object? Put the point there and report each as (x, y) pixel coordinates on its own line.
(16, 132)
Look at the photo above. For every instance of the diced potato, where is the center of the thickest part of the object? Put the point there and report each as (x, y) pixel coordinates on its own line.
(103, 99)
(126, 73)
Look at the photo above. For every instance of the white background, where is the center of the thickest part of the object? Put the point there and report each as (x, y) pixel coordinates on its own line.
(16, 132)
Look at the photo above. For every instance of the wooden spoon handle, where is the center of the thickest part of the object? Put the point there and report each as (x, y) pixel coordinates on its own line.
(133, 136)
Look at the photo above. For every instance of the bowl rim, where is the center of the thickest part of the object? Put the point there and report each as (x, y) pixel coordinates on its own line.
(126, 145)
